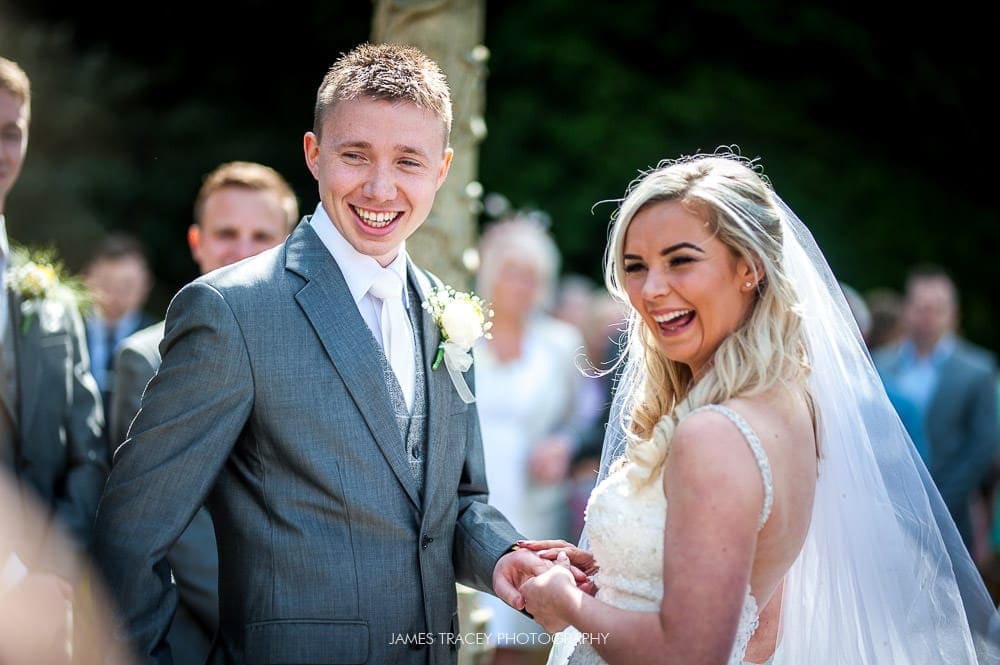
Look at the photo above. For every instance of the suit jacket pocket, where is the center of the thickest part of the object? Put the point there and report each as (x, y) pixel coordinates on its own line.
(301, 641)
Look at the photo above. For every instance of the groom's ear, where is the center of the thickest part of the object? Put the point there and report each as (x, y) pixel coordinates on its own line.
(310, 148)
(445, 166)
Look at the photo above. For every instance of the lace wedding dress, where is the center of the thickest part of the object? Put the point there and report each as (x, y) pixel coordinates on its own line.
(625, 528)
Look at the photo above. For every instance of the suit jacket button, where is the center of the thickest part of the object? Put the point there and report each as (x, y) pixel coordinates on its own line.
(425, 542)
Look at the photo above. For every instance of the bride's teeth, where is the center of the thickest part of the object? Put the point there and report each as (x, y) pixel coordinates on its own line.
(666, 318)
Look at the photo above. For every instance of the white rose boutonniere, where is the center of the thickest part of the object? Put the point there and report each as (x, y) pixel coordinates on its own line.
(463, 319)
(44, 290)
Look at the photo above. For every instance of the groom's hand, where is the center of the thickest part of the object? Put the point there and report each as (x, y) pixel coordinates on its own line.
(514, 569)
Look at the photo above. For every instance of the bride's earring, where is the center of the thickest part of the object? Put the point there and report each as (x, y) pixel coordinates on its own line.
(747, 284)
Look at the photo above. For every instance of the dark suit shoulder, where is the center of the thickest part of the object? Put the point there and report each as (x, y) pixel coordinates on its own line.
(144, 343)
(143, 339)
(975, 357)
(249, 273)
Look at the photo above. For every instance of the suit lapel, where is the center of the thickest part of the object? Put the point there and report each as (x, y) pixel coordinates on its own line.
(344, 335)
(948, 384)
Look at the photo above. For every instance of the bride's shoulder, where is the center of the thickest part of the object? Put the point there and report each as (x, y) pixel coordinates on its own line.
(709, 457)
(778, 410)
(713, 438)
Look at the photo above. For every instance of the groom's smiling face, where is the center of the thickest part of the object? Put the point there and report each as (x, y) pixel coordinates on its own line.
(379, 164)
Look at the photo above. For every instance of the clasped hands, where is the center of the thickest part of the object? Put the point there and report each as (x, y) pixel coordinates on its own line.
(545, 578)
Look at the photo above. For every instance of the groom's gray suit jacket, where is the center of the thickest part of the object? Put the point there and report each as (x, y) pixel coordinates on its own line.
(271, 406)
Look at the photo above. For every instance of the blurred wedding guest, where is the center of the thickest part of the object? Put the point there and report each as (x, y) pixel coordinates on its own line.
(118, 279)
(953, 385)
(603, 329)
(527, 383)
(50, 413)
(572, 300)
(906, 408)
(591, 310)
(241, 209)
(574, 303)
(886, 308)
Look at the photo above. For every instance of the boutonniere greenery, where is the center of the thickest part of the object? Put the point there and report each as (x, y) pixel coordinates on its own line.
(45, 288)
(463, 318)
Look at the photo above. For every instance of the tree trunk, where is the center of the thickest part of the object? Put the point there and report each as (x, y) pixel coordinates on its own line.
(451, 33)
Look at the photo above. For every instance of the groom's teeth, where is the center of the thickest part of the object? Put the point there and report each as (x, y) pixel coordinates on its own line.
(376, 219)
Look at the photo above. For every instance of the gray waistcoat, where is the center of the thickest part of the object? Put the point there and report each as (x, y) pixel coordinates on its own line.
(412, 426)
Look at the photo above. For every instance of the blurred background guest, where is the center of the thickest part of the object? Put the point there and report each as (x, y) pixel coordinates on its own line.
(886, 308)
(50, 414)
(953, 384)
(906, 408)
(118, 278)
(602, 332)
(527, 385)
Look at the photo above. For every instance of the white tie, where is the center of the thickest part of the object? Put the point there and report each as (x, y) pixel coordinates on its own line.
(397, 339)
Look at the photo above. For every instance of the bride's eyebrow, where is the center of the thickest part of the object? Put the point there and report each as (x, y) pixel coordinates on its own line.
(668, 250)
(681, 245)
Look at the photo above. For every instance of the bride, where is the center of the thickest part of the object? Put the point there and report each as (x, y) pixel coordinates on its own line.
(802, 526)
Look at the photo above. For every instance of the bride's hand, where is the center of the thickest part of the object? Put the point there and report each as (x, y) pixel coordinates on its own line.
(581, 560)
(545, 595)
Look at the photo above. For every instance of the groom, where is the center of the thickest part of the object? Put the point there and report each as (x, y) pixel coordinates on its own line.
(348, 493)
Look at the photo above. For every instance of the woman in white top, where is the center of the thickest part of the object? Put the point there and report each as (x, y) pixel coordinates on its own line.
(527, 385)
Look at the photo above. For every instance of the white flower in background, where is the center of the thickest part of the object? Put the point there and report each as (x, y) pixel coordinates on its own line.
(34, 281)
(45, 290)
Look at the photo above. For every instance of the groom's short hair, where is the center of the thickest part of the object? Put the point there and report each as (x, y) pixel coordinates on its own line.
(393, 72)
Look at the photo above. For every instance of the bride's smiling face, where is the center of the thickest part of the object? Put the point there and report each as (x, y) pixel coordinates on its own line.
(689, 288)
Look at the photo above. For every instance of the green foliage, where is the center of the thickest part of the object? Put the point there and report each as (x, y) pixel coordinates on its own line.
(870, 126)
(856, 125)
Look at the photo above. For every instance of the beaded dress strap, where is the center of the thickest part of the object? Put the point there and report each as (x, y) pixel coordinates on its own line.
(758, 453)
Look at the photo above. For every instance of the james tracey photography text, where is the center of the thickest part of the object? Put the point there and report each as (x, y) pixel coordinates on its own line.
(498, 639)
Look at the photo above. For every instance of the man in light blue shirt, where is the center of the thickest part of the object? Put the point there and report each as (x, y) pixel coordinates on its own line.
(952, 383)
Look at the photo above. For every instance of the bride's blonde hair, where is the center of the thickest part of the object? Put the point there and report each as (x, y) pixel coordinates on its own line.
(767, 350)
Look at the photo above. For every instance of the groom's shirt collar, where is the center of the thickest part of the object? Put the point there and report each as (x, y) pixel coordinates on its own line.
(359, 269)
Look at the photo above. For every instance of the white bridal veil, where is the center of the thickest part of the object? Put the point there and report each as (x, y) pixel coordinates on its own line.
(883, 577)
